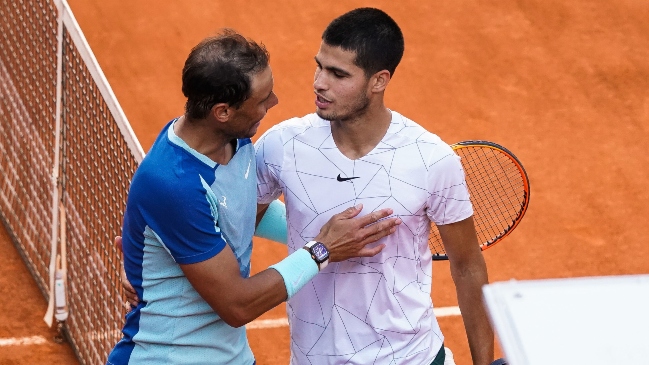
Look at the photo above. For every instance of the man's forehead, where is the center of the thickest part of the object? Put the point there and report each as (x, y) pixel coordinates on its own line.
(335, 54)
(262, 79)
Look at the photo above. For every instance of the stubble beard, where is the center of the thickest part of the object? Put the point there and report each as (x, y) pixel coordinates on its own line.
(357, 109)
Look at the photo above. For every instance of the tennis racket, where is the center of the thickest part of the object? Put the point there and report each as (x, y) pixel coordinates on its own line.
(499, 189)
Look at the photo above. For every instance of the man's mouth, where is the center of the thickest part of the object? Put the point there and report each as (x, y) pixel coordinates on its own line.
(321, 102)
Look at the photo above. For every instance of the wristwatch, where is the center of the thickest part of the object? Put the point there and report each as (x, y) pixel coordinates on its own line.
(319, 253)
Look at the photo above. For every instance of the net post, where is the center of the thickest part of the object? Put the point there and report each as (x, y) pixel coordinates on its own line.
(49, 314)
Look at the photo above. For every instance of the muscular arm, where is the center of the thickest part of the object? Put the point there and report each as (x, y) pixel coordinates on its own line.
(239, 300)
(469, 273)
(253, 303)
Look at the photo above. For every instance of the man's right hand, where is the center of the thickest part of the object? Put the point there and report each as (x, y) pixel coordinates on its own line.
(346, 236)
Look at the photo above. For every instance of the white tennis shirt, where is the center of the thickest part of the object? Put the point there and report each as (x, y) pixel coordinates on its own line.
(375, 310)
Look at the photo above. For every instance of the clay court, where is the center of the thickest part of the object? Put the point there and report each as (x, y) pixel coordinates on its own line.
(564, 85)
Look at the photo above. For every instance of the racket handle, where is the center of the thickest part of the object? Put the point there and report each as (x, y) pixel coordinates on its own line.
(500, 361)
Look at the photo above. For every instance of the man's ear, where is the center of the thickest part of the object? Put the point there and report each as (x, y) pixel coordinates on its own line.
(379, 81)
(221, 112)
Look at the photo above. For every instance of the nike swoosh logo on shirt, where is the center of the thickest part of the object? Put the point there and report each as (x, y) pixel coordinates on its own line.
(346, 178)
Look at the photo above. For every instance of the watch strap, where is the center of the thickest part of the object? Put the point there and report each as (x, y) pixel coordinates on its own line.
(321, 265)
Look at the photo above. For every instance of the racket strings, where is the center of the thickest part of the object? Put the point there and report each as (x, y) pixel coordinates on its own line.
(496, 182)
(498, 189)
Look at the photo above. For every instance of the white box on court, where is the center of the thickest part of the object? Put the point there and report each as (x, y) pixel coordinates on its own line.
(590, 320)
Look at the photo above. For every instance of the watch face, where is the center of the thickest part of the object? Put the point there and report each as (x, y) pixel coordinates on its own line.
(320, 252)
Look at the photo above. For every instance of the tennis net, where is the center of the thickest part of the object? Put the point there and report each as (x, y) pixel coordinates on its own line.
(67, 155)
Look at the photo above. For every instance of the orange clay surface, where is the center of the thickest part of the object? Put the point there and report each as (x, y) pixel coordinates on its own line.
(564, 85)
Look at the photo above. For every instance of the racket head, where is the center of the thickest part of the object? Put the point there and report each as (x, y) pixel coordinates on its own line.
(499, 189)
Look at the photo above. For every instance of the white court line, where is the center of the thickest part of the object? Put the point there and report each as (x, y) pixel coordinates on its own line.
(447, 311)
(34, 340)
(267, 323)
(271, 323)
(115, 335)
(283, 322)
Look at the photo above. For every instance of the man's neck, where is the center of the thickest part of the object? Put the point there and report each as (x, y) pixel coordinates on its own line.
(200, 135)
(357, 137)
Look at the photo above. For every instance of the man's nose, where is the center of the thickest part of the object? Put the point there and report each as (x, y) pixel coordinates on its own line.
(319, 81)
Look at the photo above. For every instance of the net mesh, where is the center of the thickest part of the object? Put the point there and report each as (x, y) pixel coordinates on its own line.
(96, 171)
(28, 47)
(96, 165)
